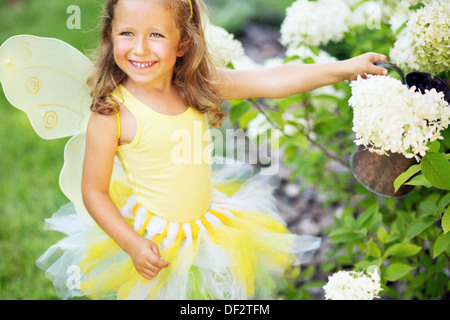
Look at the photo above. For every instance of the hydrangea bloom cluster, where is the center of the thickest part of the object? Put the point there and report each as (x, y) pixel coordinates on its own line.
(429, 28)
(390, 117)
(350, 285)
(401, 54)
(319, 22)
(223, 46)
(314, 23)
(392, 8)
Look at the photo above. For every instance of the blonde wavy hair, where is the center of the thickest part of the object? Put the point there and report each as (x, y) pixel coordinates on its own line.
(195, 75)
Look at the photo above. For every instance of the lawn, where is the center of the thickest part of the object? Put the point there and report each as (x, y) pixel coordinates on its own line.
(30, 166)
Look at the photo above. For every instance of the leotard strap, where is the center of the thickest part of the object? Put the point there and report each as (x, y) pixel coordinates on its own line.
(118, 125)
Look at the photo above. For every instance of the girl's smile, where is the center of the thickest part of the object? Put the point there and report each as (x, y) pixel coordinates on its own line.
(142, 65)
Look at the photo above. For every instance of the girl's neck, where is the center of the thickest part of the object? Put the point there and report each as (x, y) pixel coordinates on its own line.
(164, 99)
(160, 88)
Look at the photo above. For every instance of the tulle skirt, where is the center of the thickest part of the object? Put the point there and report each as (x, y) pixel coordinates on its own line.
(240, 249)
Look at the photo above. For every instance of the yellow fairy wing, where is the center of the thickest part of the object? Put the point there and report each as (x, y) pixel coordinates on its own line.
(46, 78)
(70, 177)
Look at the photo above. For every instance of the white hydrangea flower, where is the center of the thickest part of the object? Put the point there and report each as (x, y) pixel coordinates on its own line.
(387, 116)
(350, 285)
(392, 8)
(429, 29)
(314, 23)
(222, 45)
(319, 22)
(366, 13)
(401, 53)
(372, 13)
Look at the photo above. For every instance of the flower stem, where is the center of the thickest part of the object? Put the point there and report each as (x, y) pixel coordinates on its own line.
(314, 142)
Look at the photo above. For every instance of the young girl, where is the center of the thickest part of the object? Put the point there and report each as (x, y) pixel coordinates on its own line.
(178, 230)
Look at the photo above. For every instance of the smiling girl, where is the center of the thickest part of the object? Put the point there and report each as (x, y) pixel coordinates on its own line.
(176, 232)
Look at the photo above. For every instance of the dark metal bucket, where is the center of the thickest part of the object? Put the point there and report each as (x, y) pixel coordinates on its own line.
(377, 173)
(421, 80)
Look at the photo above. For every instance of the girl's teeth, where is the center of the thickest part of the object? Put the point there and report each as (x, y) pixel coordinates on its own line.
(141, 65)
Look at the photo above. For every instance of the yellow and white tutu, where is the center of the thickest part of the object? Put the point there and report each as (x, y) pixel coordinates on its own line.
(240, 248)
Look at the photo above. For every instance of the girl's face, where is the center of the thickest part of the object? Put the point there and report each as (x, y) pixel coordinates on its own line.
(146, 42)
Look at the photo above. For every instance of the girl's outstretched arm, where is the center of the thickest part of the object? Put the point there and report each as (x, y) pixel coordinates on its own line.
(290, 79)
(101, 145)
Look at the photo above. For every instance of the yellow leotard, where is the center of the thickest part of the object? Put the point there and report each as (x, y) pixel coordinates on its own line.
(168, 166)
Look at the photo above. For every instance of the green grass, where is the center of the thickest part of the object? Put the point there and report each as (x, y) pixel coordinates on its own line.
(29, 165)
(29, 193)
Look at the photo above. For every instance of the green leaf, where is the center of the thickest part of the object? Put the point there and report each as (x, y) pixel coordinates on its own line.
(397, 271)
(343, 235)
(434, 146)
(402, 250)
(230, 65)
(441, 244)
(444, 202)
(382, 235)
(238, 110)
(313, 284)
(405, 176)
(436, 170)
(314, 50)
(428, 207)
(277, 117)
(418, 226)
(291, 58)
(446, 220)
(299, 140)
(326, 96)
(419, 180)
(367, 218)
(247, 117)
(373, 250)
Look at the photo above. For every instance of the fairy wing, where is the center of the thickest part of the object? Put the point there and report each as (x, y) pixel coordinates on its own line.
(70, 178)
(46, 78)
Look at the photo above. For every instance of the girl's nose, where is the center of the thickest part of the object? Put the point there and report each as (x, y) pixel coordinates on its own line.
(141, 46)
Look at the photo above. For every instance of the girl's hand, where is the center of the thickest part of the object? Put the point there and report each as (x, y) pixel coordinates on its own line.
(364, 64)
(146, 258)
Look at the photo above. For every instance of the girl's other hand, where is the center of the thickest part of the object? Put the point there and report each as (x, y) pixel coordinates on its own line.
(146, 258)
(364, 64)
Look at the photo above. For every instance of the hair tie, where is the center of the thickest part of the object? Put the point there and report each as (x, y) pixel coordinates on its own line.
(192, 9)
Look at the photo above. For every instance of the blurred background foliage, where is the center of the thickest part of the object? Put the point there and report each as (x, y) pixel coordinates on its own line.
(234, 14)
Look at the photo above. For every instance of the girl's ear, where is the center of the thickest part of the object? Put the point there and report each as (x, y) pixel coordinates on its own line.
(182, 48)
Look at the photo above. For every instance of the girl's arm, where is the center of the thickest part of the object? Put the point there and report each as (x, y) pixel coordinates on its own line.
(101, 145)
(290, 79)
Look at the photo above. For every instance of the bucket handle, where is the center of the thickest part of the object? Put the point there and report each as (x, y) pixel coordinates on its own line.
(393, 67)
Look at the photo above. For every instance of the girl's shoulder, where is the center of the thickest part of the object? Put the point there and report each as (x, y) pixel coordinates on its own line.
(103, 125)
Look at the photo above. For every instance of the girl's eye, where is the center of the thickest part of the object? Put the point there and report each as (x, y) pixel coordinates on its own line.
(126, 34)
(156, 35)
